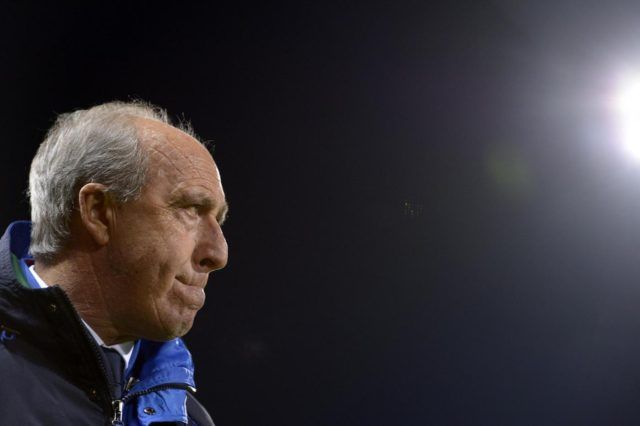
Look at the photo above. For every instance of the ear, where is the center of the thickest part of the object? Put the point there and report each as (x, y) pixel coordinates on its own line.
(97, 211)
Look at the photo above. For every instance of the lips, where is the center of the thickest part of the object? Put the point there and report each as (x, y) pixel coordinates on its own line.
(191, 295)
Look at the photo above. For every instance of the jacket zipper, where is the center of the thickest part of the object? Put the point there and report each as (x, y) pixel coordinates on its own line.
(118, 404)
(117, 412)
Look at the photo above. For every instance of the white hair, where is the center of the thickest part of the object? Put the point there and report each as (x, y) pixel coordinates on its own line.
(99, 144)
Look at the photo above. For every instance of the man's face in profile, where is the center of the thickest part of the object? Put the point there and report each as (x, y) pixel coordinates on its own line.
(165, 243)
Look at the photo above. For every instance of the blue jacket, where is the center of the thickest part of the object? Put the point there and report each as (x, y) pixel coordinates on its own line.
(53, 372)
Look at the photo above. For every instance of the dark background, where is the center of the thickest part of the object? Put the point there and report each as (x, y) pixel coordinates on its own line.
(432, 220)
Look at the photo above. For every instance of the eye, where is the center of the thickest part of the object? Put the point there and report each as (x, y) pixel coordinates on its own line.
(192, 210)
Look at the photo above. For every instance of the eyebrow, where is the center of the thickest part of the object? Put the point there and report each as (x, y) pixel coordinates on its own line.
(204, 201)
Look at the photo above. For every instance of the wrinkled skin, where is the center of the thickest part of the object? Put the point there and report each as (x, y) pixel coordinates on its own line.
(163, 245)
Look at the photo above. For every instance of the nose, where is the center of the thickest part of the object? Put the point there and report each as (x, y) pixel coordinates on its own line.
(211, 250)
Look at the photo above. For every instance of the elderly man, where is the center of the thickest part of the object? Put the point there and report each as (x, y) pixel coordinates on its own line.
(126, 214)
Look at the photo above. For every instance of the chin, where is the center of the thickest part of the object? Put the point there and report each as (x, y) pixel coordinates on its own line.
(168, 331)
(180, 330)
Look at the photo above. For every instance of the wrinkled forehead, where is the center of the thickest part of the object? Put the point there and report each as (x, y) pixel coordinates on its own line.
(174, 153)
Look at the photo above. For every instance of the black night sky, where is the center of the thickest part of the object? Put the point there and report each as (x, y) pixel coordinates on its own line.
(432, 219)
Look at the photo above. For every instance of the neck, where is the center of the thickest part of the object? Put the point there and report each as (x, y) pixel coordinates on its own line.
(78, 275)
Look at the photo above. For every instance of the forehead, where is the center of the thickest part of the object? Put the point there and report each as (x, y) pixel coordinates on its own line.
(177, 162)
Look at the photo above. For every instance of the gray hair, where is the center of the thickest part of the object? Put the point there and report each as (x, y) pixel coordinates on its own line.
(99, 144)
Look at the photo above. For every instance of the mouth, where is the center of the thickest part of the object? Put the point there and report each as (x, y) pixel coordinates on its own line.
(193, 282)
(192, 295)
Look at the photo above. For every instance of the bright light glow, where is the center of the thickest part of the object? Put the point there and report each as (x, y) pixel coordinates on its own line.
(628, 106)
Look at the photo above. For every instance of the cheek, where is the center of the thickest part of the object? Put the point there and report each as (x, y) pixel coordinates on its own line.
(154, 253)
